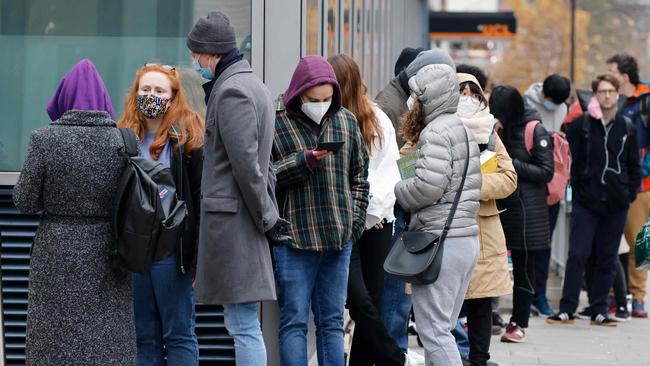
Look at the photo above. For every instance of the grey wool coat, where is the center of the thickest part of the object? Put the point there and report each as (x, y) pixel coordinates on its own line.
(238, 205)
(80, 310)
(439, 169)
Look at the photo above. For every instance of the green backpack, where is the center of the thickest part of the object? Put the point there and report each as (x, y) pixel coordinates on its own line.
(642, 247)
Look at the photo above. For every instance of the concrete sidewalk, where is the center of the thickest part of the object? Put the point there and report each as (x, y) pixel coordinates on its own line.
(571, 345)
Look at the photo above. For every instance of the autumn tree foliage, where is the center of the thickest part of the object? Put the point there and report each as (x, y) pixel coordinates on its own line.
(542, 45)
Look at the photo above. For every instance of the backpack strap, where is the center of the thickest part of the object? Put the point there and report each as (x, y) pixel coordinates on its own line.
(529, 135)
(130, 141)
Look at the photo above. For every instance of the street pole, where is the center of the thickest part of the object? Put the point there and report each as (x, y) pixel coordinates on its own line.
(573, 41)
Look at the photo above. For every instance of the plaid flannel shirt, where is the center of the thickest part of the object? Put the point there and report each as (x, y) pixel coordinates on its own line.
(327, 204)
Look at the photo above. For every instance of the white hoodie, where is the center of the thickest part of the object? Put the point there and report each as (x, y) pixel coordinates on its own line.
(383, 173)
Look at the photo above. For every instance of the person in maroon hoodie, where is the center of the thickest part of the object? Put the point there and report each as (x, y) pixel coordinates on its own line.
(323, 192)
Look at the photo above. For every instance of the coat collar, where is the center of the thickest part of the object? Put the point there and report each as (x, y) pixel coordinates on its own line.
(76, 117)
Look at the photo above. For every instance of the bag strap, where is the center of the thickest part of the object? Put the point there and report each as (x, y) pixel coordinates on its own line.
(180, 162)
(130, 141)
(529, 135)
(454, 205)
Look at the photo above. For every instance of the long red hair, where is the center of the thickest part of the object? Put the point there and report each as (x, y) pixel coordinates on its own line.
(355, 97)
(189, 124)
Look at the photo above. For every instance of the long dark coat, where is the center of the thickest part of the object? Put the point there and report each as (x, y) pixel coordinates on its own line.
(80, 310)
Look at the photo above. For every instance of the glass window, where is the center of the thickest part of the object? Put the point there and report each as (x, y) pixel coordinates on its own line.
(313, 26)
(358, 40)
(332, 28)
(42, 39)
(369, 40)
(346, 30)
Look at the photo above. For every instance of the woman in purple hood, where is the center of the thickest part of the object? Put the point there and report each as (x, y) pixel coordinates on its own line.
(80, 308)
(324, 194)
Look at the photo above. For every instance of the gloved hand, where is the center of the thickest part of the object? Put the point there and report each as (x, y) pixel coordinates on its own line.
(279, 233)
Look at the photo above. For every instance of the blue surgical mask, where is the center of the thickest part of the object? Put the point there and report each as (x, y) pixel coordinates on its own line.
(204, 72)
(550, 105)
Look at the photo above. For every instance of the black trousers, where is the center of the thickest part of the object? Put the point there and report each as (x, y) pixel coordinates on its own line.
(479, 329)
(523, 292)
(371, 343)
(620, 283)
(543, 257)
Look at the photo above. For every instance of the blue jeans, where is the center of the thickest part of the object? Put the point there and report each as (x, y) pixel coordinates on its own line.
(320, 280)
(396, 304)
(164, 315)
(462, 340)
(243, 324)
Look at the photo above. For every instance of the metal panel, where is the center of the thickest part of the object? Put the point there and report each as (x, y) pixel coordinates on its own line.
(16, 236)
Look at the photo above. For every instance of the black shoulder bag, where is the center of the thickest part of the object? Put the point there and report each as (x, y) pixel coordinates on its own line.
(416, 257)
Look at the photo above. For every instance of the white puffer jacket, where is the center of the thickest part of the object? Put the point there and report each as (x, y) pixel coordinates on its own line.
(438, 172)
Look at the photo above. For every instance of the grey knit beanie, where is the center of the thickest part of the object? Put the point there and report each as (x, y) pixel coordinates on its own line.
(430, 57)
(212, 35)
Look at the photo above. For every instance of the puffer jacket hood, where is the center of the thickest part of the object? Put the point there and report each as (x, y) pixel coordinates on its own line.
(311, 71)
(436, 86)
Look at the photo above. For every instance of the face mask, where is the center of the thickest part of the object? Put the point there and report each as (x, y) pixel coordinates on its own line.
(550, 105)
(468, 106)
(315, 111)
(152, 106)
(204, 72)
(410, 102)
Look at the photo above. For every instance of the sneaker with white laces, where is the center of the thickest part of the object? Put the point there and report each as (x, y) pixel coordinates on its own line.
(514, 334)
(414, 359)
(603, 321)
(561, 318)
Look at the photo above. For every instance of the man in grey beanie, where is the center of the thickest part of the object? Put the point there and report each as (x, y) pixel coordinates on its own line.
(238, 207)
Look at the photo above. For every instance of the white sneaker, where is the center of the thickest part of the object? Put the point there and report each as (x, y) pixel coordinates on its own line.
(414, 359)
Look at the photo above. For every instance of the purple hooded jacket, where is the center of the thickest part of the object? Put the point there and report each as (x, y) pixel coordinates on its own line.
(81, 88)
(311, 71)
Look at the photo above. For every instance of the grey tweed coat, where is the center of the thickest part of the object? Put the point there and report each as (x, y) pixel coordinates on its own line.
(80, 311)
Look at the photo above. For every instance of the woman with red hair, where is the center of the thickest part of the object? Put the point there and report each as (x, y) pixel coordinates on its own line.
(172, 134)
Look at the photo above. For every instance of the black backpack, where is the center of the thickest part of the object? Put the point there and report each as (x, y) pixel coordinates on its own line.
(149, 217)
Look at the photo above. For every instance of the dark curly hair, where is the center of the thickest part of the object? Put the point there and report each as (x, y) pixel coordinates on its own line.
(626, 64)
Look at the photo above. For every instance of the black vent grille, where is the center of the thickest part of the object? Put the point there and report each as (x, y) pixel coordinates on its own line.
(16, 236)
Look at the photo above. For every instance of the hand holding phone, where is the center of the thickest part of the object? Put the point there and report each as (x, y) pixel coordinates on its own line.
(333, 146)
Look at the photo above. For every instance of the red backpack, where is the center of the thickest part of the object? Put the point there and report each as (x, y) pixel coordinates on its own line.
(561, 158)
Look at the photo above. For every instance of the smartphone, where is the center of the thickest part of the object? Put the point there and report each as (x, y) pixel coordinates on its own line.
(332, 146)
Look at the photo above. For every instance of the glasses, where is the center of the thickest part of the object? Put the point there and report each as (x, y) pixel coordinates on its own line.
(606, 91)
(166, 67)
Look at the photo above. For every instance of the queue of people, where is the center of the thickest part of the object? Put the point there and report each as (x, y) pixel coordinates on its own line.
(300, 199)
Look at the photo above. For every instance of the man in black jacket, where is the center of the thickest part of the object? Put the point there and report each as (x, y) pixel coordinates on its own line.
(604, 177)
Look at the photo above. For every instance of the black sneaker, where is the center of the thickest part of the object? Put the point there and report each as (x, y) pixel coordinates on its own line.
(621, 314)
(585, 314)
(561, 318)
(603, 321)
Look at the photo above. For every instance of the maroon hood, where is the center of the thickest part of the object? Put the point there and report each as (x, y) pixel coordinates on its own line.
(311, 71)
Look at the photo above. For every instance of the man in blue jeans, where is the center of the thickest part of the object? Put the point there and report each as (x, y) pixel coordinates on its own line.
(238, 206)
(604, 177)
(324, 194)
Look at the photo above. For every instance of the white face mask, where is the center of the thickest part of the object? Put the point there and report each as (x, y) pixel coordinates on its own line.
(468, 106)
(410, 102)
(316, 110)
